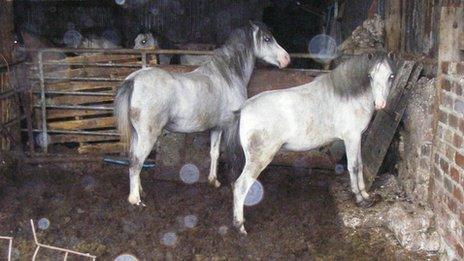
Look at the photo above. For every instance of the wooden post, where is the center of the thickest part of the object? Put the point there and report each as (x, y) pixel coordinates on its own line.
(451, 29)
(6, 30)
(393, 25)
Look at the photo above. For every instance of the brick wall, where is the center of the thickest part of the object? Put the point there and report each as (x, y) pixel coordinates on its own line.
(447, 185)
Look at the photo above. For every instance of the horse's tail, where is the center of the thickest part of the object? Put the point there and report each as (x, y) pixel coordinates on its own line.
(234, 151)
(121, 110)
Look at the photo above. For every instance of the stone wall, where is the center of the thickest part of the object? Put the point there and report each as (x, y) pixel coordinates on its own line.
(414, 166)
(448, 166)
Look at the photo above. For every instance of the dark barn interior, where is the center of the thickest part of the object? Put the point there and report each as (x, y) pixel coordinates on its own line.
(64, 163)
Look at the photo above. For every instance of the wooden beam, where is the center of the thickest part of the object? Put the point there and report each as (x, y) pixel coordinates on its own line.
(6, 30)
(95, 123)
(451, 29)
(101, 148)
(393, 25)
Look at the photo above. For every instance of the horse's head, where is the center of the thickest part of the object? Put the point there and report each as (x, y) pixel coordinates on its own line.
(381, 77)
(145, 40)
(266, 47)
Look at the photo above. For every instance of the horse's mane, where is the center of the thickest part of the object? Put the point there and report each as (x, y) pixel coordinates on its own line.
(231, 59)
(351, 77)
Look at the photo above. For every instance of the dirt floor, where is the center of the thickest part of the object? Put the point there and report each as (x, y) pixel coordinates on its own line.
(87, 209)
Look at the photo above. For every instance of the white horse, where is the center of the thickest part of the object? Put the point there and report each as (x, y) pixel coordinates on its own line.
(337, 105)
(152, 99)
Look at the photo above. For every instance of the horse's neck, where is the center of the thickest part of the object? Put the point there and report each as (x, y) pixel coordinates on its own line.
(240, 65)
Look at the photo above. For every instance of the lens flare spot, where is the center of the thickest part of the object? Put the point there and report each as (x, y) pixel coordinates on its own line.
(126, 257)
(339, 168)
(189, 173)
(88, 182)
(169, 239)
(72, 38)
(323, 47)
(223, 230)
(42, 140)
(43, 223)
(255, 194)
(190, 221)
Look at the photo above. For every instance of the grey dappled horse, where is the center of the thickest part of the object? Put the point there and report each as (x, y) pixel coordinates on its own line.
(337, 105)
(152, 99)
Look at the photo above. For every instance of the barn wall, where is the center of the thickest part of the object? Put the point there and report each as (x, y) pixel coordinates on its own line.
(9, 110)
(447, 194)
(412, 32)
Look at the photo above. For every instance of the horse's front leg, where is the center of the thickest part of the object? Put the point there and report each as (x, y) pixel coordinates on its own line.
(355, 168)
(214, 153)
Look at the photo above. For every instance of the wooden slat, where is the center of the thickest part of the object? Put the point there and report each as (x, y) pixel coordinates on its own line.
(92, 72)
(383, 128)
(99, 148)
(97, 58)
(80, 86)
(95, 123)
(77, 100)
(63, 138)
(62, 113)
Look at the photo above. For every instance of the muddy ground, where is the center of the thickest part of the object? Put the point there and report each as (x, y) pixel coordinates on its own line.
(298, 217)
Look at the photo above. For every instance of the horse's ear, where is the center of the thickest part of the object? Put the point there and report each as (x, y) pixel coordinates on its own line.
(253, 25)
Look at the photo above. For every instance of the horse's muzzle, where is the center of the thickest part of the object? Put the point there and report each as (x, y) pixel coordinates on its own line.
(379, 105)
(284, 60)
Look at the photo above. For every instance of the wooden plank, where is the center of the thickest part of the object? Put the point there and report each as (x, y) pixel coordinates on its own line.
(92, 72)
(380, 133)
(98, 58)
(63, 138)
(94, 123)
(77, 100)
(99, 148)
(81, 86)
(67, 113)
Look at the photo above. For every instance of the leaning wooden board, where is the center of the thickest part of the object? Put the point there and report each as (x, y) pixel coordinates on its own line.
(379, 136)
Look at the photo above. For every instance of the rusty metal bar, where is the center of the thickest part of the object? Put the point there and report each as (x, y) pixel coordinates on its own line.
(134, 65)
(154, 51)
(78, 93)
(42, 99)
(77, 107)
(82, 79)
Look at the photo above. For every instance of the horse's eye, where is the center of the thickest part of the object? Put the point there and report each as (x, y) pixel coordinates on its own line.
(267, 39)
(392, 76)
(144, 41)
(369, 76)
(15, 42)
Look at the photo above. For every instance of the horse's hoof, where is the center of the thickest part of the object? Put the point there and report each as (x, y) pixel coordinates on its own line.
(215, 183)
(371, 201)
(134, 200)
(240, 227)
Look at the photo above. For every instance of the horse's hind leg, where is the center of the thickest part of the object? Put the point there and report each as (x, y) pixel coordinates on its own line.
(146, 133)
(214, 153)
(257, 157)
